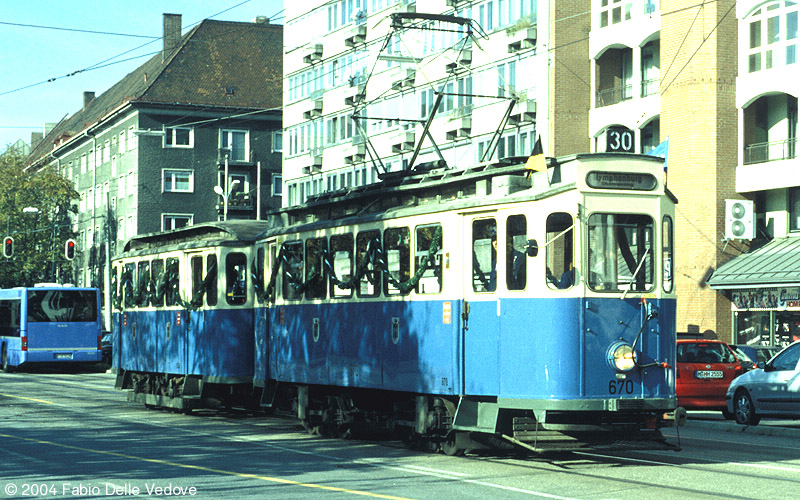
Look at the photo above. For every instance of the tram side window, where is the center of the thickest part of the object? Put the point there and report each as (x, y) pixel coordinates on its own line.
(516, 263)
(211, 289)
(397, 248)
(196, 265)
(236, 278)
(429, 238)
(315, 268)
(143, 291)
(560, 272)
(342, 252)
(260, 262)
(367, 245)
(620, 252)
(130, 286)
(484, 255)
(172, 280)
(10, 311)
(293, 270)
(667, 252)
(157, 275)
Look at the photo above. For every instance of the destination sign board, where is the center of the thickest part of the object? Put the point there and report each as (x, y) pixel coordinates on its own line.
(630, 181)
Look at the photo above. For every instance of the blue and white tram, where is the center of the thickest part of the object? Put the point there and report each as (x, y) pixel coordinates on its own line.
(183, 316)
(464, 306)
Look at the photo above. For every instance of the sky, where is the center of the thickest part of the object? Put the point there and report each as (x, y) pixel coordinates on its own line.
(51, 51)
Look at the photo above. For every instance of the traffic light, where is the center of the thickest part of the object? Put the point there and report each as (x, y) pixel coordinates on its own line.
(8, 247)
(69, 249)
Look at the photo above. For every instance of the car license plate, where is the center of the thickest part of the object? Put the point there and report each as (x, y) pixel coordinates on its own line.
(708, 374)
(64, 356)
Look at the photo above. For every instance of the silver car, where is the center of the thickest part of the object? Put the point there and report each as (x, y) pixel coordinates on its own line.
(773, 390)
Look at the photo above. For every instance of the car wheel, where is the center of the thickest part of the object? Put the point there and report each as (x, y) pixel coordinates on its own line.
(743, 409)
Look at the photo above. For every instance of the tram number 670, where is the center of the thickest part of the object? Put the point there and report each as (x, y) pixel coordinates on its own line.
(620, 386)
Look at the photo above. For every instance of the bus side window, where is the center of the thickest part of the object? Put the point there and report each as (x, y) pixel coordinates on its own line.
(431, 279)
(315, 269)
(342, 253)
(516, 263)
(10, 311)
(292, 276)
(211, 291)
(367, 244)
(261, 286)
(236, 278)
(397, 246)
(157, 276)
(560, 271)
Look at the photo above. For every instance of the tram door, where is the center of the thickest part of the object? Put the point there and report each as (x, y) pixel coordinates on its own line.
(480, 308)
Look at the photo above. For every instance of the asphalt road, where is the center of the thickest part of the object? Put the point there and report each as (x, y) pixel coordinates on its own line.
(74, 436)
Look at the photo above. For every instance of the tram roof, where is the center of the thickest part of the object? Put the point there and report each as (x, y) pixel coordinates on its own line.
(203, 234)
(431, 188)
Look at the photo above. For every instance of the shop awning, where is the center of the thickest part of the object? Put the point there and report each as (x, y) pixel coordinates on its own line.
(776, 264)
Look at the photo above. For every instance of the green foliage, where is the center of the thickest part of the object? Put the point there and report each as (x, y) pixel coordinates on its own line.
(40, 234)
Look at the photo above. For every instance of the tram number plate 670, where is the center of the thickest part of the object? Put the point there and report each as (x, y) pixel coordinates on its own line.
(620, 386)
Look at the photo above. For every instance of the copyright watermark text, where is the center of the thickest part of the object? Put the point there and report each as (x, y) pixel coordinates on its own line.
(66, 489)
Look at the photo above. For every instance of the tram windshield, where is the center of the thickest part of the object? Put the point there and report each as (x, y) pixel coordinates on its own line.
(620, 253)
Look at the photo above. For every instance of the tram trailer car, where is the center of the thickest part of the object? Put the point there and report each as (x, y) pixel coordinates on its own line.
(49, 324)
(476, 307)
(183, 316)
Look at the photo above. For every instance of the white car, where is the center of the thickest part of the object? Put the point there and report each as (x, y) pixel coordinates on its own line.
(773, 390)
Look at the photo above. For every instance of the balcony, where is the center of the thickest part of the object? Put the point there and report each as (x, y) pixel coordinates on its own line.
(522, 40)
(357, 35)
(462, 62)
(314, 54)
(614, 95)
(314, 110)
(761, 152)
(650, 87)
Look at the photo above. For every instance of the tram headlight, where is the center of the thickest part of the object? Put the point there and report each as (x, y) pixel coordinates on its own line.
(622, 357)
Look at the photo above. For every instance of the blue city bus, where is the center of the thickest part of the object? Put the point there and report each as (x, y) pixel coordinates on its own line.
(49, 324)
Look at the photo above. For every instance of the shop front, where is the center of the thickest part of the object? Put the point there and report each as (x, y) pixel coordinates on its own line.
(764, 289)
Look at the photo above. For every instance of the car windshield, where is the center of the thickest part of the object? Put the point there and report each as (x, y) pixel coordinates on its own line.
(698, 352)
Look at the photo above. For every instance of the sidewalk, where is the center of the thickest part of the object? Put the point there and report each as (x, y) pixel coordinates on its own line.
(767, 426)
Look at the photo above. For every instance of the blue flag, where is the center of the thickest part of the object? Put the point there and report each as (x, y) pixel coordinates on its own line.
(661, 151)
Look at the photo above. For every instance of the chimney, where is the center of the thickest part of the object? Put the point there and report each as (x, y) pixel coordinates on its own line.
(172, 34)
(88, 97)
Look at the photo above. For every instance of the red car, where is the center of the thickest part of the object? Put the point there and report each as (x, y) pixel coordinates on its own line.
(705, 369)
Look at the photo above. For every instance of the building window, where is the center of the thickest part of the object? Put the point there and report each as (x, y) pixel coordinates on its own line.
(178, 137)
(277, 185)
(178, 181)
(175, 221)
(277, 142)
(794, 209)
(772, 36)
(236, 144)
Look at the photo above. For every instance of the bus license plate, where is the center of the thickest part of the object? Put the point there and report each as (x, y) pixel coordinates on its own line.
(64, 356)
(708, 374)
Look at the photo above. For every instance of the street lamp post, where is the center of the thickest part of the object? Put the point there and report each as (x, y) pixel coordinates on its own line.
(225, 195)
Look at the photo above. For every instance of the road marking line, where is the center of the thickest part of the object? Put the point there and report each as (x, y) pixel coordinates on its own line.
(31, 399)
(209, 469)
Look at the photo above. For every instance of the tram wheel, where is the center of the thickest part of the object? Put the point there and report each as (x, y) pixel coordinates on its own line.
(449, 447)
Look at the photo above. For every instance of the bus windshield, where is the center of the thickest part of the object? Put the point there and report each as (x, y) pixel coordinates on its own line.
(50, 306)
(620, 252)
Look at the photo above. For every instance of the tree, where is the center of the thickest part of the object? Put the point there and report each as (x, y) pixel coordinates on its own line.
(36, 208)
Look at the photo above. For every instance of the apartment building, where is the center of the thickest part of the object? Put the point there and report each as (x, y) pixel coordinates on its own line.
(763, 284)
(150, 153)
(389, 62)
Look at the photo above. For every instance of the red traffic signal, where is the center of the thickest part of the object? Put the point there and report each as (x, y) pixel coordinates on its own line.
(8, 247)
(69, 249)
